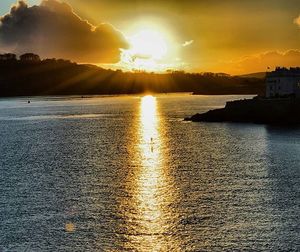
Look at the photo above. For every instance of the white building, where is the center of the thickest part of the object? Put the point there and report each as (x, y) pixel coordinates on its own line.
(283, 82)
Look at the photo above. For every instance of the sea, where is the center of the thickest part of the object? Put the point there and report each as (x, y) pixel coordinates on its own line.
(127, 173)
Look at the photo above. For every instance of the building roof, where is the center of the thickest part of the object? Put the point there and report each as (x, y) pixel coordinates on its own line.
(285, 72)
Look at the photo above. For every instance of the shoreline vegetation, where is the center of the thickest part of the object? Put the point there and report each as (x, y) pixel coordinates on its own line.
(30, 76)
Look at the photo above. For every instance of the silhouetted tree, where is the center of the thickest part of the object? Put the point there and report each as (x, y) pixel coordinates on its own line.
(30, 57)
(8, 57)
(31, 76)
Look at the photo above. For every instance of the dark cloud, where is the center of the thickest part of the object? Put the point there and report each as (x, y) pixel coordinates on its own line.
(52, 29)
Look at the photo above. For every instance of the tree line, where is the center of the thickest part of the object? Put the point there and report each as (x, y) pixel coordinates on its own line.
(29, 76)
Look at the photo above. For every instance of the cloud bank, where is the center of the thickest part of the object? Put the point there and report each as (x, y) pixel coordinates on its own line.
(260, 62)
(52, 29)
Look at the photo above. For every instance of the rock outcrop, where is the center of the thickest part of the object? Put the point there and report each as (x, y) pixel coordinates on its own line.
(257, 110)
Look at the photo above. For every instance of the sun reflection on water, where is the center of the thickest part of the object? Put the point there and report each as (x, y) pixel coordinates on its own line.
(151, 158)
(153, 219)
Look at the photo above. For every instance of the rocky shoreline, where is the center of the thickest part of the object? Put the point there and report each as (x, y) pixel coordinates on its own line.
(279, 111)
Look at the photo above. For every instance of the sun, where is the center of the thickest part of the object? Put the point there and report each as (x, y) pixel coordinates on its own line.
(153, 47)
(150, 49)
(148, 44)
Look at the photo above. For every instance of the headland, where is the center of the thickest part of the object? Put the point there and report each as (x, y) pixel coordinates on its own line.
(280, 104)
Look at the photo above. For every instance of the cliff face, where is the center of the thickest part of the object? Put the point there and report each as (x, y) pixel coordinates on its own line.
(265, 111)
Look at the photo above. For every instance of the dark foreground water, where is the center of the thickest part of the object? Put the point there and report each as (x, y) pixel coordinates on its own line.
(127, 174)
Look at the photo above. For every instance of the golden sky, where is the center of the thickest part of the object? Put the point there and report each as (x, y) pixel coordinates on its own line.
(230, 36)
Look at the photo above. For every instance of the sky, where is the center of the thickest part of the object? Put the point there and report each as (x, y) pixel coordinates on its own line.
(6, 4)
(229, 36)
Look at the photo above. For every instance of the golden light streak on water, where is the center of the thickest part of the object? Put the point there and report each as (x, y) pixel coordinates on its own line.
(151, 162)
(151, 185)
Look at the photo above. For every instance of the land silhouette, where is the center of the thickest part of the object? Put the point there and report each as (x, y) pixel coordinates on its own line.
(279, 105)
(260, 111)
(31, 76)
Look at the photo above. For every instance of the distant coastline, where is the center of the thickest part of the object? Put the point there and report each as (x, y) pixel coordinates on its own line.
(279, 105)
(258, 110)
(31, 76)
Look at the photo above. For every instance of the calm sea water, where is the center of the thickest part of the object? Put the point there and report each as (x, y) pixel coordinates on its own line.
(128, 174)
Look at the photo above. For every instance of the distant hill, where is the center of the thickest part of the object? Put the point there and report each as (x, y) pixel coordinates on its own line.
(260, 75)
(61, 77)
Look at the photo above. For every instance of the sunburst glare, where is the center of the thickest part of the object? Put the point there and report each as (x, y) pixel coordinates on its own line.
(152, 48)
